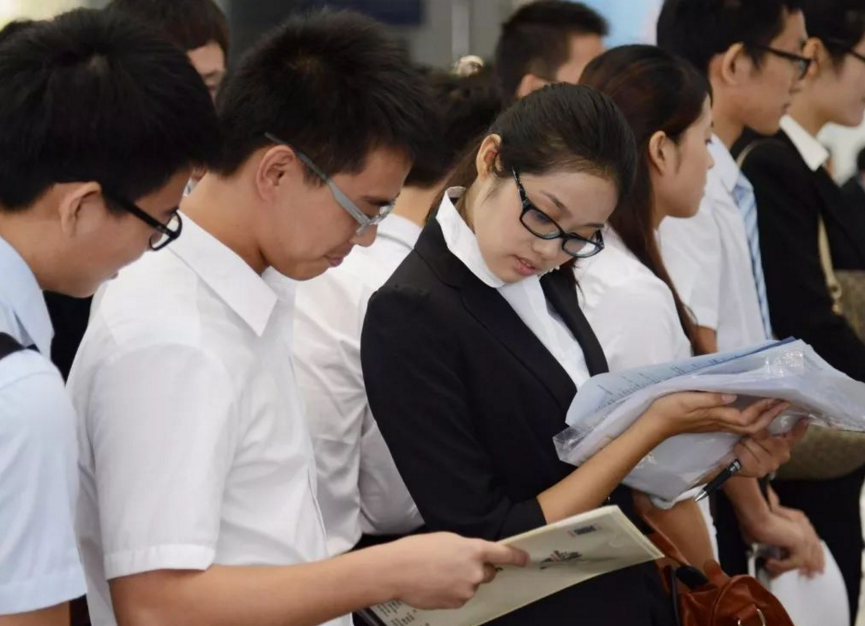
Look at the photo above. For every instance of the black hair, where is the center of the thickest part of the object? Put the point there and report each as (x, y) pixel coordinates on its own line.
(656, 91)
(92, 97)
(560, 127)
(467, 106)
(700, 29)
(839, 24)
(536, 40)
(13, 28)
(334, 85)
(189, 24)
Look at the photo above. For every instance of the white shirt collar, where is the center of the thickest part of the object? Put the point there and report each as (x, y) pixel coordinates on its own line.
(812, 151)
(400, 229)
(20, 290)
(230, 277)
(461, 241)
(726, 170)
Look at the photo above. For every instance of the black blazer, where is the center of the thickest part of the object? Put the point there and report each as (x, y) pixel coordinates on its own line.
(469, 400)
(844, 255)
(790, 200)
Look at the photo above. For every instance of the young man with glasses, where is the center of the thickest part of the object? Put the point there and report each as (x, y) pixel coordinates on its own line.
(754, 56)
(100, 125)
(199, 490)
(796, 194)
(362, 495)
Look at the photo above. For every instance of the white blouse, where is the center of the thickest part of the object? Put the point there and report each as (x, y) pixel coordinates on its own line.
(631, 310)
(633, 313)
(526, 296)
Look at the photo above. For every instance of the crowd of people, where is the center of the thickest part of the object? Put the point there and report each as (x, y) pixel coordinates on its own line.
(343, 303)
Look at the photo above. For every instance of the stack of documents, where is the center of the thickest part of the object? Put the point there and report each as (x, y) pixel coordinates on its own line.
(562, 555)
(791, 370)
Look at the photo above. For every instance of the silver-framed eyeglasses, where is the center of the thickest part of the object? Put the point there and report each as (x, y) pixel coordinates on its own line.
(365, 222)
(543, 226)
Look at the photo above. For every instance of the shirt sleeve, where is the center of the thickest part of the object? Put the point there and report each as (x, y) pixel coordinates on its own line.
(163, 427)
(691, 249)
(39, 563)
(327, 364)
(637, 326)
(386, 505)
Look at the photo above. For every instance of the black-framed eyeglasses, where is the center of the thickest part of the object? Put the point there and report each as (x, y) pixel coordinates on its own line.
(802, 63)
(163, 234)
(543, 226)
(364, 221)
(844, 47)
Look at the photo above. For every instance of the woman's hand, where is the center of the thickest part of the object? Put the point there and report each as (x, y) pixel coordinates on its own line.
(698, 412)
(763, 453)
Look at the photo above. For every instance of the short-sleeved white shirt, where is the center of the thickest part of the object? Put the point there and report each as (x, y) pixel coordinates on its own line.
(633, 313)
(39, 564)
(630, 309)
(359, 487)
(194, 448)
(710, 262)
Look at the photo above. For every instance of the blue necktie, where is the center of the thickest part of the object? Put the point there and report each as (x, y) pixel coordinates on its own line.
(743, 193)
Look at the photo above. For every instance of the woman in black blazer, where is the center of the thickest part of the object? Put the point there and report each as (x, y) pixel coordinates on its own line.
(458, 349)
(794, 193)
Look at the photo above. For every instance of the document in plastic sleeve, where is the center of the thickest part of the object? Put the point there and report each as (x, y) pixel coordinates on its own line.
(790, 370)
(562, 555)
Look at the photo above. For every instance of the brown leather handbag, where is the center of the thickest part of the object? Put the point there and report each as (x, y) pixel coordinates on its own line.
(713, 598)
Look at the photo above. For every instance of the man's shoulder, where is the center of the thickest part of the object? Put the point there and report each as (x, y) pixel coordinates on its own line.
(33, 397)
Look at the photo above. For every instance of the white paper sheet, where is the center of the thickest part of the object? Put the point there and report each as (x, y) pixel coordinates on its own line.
(609, 404)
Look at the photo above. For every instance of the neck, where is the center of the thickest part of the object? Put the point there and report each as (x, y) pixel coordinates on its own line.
(728, 127)
(728, 131)
(414, 203)
(807, 116)
(221, 207)
(25, 232)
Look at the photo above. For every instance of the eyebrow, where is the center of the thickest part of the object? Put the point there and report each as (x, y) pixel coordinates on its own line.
(563, 208)
(213, 74)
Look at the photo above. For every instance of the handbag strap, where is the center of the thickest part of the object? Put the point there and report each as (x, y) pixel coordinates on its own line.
(832, 282)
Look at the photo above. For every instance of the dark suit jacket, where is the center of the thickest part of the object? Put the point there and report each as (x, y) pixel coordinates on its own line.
(790, 200)
(844, 255)
(469, 400)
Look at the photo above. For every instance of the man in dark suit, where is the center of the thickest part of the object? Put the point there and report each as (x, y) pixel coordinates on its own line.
(795, 194)
(853, 209)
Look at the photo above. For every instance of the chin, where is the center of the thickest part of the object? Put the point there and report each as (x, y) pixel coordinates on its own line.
(769, 128)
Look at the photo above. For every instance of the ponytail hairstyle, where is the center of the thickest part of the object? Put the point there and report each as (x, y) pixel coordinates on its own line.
(558, 128)
(655, 91)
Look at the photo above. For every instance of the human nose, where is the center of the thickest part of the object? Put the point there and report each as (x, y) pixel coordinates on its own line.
(366, 238)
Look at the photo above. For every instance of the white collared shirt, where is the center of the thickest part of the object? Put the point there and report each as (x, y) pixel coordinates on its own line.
(710, 262)
(631, 310)
(194, 448)
(39, 564)
(633, 313)
(526, 296)
(360, 489)
(812, 151)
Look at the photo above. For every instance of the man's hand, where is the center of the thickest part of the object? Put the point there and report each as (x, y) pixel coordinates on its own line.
(789, 530)
(444, 571)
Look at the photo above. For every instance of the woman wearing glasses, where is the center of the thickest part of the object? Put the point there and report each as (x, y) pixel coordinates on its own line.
(795, 193)
(474, 349)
